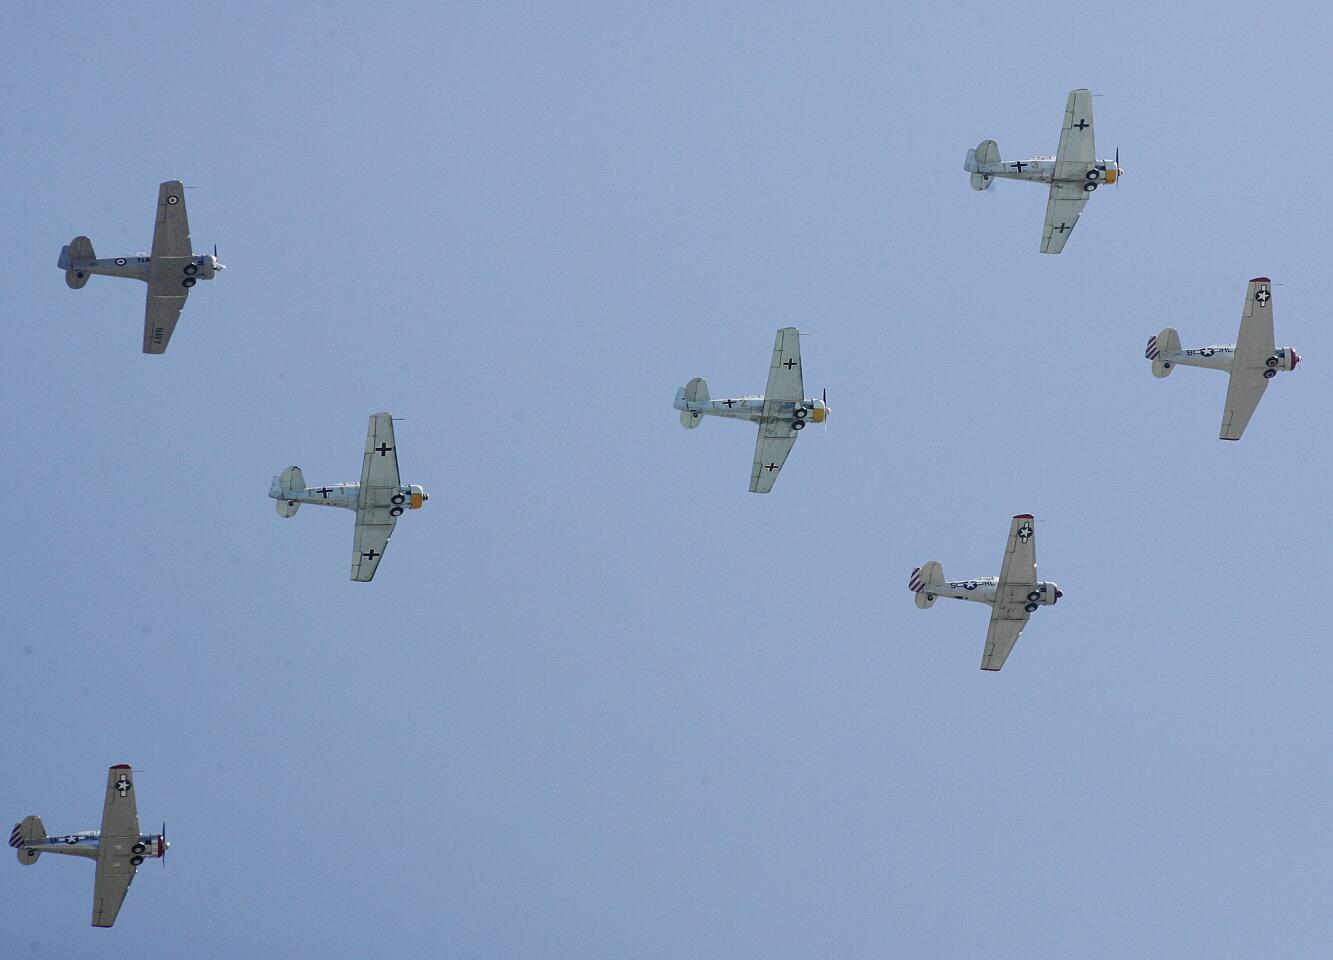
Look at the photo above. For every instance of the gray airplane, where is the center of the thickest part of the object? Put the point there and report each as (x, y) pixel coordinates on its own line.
(118, 847)
(170, 270)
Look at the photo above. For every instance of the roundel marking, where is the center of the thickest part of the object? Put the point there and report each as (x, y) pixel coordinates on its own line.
(120, 261)
(173, 200)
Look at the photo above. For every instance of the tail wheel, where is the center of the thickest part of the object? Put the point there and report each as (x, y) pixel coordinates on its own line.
(1030, 607)
(191, 269)
(1034, 595)
(1270, 374)
(1271, 361)
(136, 860)
(189, 282)
(395, 511)
(138, 848)
(798, 424)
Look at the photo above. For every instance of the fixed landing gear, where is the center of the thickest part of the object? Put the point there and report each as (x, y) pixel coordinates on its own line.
(798, 424)
(1030, 607)
(1270, 374)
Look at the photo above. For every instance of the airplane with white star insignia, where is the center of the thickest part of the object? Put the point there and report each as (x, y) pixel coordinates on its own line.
(1073, 173)
(118, 847)
(781, 413)
(1250, 362)
(379, 499)
(1013, 596)
(170, 270)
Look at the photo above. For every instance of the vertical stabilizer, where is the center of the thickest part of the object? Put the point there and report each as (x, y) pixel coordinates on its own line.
(286, 485)
(696, 391)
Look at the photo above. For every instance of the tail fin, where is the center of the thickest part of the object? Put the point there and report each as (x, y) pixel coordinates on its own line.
(29, 831)
(922, 579)
(288, 482)
(1165, 343)
(985, 152)
(71, 256)
(696, 391)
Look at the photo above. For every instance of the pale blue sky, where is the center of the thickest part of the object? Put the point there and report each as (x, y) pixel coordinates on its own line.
(600, 701)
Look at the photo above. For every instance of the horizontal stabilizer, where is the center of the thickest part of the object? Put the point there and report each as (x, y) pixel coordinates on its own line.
(30, 830)
(1163, 345)
(696, 391)
(72, 256)
(923, 578)
(291, 482)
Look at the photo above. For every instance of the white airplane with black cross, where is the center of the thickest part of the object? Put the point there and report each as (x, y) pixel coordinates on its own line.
(1250, 362)
(781, 413)
(118, 847)
(379, 499)
(1073, 173)
(170, 270)
(1013, 596)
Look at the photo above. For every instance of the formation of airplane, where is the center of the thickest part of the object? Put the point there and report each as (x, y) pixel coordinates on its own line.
(170, 270)
(379, 499)
(1073, 173)
(1013, 596)
(781, 413)
(1250, 362)
(118, 847)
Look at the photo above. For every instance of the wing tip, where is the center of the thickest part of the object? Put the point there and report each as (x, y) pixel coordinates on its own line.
(1260, 280)
(120, 766)
(1024, 516)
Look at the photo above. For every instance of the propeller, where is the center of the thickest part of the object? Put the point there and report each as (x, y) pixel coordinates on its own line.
(1118, 171)
(824, 397)
(163, 837)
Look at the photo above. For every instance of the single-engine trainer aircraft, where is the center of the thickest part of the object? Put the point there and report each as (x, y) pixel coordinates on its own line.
(1251, 361)
(118, 847)
(170, 270)
(379, 499)
(1073, 173)
(1013, 595)
(781, 413)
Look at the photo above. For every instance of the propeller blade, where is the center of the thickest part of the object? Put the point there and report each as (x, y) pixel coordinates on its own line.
(163, 835)
(215, 246)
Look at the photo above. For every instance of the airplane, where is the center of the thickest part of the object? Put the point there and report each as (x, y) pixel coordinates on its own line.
(1251, 361)
(1073, 173)
(379, 499)
(170, 270)
(781, 413)
(1014, 595)
(118, 847)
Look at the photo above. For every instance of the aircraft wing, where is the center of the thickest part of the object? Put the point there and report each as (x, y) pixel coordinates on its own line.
(166, 300)
(785, 382)
(1076, 152)
(1018, 575)
(1254, 345)
(1063, 207)
(171, 252)
(770, 452)
(379, 482)
(120, 832)
(1007, 621)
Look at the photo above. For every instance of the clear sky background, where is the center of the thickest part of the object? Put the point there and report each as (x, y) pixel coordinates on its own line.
(600, 701)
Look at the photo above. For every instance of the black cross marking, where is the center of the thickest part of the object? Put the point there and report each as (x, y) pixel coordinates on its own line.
(1082, 124)
(789, 364)
(123, 785)
(729, 403)
(372, 554)
(383, 448)
(1018, 165)
(324, 492)
(1063, 227)
(770, 467)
